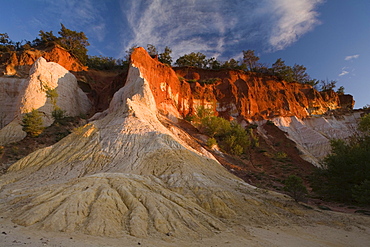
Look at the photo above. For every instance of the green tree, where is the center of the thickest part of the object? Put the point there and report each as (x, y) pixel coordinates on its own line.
(299, 74)
(152, 50)
(47, 38)
(32, 123)
(231, 64)
(214, 126)
(102, 63)
(282, 71)
(347, 169)
(213, 63)
(74, 42)
(6, 44)
(165, 57)
(295, 187)
(364, 124)
(193, 59)
(129, 52)
(327, 85)
(250, 60)
(340, 90)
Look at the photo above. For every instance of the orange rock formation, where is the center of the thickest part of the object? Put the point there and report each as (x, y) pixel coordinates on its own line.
(232, 93)
(19, 63)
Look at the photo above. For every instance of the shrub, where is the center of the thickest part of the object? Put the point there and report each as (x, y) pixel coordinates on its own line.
(347, 171)
(214, 126)
(361, 192)
(32, 123)
(52, 95)
(210, 81)
(211, 142)
(295, 187)
(281, 156)
(58, 114)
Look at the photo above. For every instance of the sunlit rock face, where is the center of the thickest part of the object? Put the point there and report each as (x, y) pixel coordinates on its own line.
(253, 96)
(128, 173)
(313, 135)
(19, 63)
(21, 96)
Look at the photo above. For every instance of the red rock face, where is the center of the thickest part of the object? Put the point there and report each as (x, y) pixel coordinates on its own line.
(19, 63)
(167, 89)
(233, 94)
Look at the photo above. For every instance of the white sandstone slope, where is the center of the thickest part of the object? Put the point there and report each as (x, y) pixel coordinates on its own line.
(126, 173)
(313, 135)
(20, 96)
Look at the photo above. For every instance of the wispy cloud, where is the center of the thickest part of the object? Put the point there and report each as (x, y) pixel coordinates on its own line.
(344, 72)
(291, 20)
(348, 58)
(78, 15)
(217, 27)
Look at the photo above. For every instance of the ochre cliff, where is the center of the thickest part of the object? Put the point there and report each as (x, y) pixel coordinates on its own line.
(134, 172)
(233, 94)
(19, 63)
(20, 96)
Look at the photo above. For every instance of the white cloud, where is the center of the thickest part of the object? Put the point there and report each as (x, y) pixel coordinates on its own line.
(216, 26)
(344, 72)
(292, 20)
(348, 58)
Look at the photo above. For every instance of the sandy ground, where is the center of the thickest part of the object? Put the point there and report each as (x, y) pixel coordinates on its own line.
(320, 235)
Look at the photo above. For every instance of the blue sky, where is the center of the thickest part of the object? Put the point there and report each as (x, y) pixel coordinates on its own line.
(330, 37)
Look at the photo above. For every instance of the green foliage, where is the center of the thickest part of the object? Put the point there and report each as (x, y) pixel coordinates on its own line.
(214, 126)
(340, 90)
(233, 64)
(210, 81)
(58, 114)
(203, 112)
(214, 64)
(231, 136)
(211, 142)
(235, 139)
(192, 80)
(250, 60)
(295, 187)
(47, 38)
(32, 123)
(104, 63)
(282, 71)
(52, 95)
(299, 74)
(281, 156)
(165, 57)
(361, 192)
(347, 169)
(130, 51)
(6, 44)
(364, 124)
(193, 59)
(74, 42)
(152, 51)
(327, 85)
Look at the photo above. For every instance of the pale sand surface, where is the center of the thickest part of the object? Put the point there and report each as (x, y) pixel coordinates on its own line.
(319, 235)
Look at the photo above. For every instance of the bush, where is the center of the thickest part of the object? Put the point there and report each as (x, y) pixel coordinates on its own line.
(211, 142)
(295, 187)
(214, 126)
(32, 123)
(346, 173)
(361, 193)
(58, 114)
(210, 81)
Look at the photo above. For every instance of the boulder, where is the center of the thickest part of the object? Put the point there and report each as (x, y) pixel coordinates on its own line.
(21, 96)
